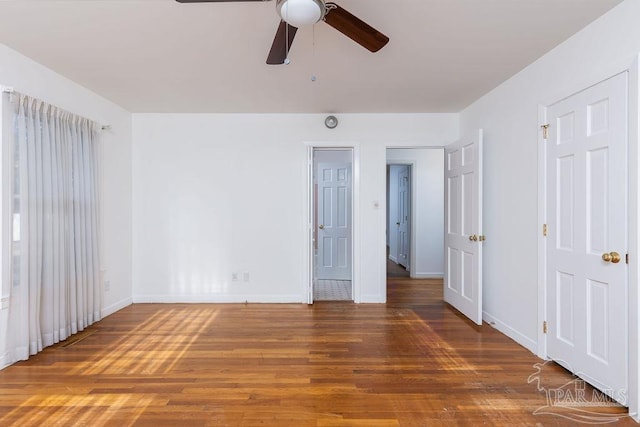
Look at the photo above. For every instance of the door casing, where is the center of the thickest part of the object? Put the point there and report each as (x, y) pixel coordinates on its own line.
(307, 280)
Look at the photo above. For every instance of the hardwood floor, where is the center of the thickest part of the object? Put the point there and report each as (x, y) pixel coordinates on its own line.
(411, 362)
(396, 270)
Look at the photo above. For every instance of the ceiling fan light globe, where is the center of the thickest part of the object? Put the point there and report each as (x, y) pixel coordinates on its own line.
(299, 13)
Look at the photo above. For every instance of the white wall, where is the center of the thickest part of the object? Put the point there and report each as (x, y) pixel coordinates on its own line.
(427, 258)
(31, 78)
(221, 194)
(509, 116)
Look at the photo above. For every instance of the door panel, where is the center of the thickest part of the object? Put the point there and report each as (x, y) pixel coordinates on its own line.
(404, 216)
(463, 225)
(334, 221)
(587, 217)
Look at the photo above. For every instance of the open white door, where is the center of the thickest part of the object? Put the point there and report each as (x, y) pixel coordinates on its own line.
(463, 226)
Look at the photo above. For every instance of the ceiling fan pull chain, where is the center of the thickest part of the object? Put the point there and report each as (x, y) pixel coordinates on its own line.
(286, 45)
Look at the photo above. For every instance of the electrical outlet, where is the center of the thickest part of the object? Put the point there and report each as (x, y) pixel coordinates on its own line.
(234, 277)
(245, 276)
(107, 285)
(5, 303)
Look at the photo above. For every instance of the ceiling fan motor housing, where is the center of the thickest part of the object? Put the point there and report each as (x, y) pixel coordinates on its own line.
(299, 13)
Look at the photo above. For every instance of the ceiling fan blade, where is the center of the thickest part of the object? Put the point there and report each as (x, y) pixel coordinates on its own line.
(281, 44)
(355, 28)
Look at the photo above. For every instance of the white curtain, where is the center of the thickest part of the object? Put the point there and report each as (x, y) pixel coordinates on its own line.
(55, 250)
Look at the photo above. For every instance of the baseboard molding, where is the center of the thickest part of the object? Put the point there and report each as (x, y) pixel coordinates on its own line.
(221, 299)
(373, 299)
(115, 307)
(519, 338)
(437, 275)
(392, 258)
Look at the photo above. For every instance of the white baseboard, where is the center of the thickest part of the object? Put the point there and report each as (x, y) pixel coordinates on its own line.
(227, 299)
(519, 338)
(115, 307)
(394, 259)
(436, 275)
(373, 299)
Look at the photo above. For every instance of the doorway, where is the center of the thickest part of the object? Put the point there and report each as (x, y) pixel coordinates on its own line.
(415, 209)
(332, 224)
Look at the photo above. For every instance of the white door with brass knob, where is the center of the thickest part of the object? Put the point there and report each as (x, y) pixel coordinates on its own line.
(463, 226)
(334, 221)
(586, 243)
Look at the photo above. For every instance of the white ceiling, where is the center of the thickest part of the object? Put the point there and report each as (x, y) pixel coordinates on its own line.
(162, 56)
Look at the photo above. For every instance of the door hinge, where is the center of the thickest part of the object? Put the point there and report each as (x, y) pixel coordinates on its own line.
(545, 230)
(544, 327)
(545, 131)
(626, 258)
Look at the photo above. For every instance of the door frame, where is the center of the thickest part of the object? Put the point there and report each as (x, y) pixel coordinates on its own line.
(633, 198)
(307, 280)
(412, 213)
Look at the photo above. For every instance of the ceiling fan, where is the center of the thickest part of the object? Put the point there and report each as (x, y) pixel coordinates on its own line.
(297, 13)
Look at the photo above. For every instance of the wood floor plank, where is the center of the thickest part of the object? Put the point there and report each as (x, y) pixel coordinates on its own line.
(411, 362)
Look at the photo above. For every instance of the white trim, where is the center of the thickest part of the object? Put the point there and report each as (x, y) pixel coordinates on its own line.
(528, 343)
(355, 225)
(117, 306)
(307, 267)
(355, 219)
(542, 219)
(435, 275)
(634, 221)
(212, 299)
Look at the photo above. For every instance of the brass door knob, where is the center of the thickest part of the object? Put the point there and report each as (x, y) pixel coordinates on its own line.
(473, 238)
(321, 227)
(613, 257)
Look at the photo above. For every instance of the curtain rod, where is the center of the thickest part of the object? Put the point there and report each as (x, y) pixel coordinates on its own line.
(9, 89)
